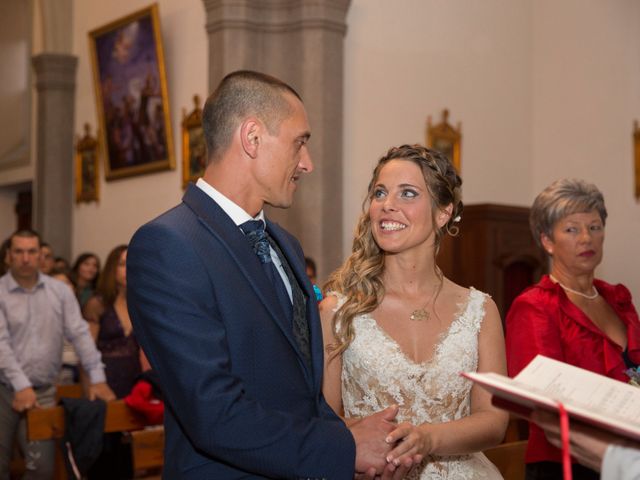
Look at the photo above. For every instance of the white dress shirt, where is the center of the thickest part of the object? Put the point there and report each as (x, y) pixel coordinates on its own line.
(33, 324)
(239, 216)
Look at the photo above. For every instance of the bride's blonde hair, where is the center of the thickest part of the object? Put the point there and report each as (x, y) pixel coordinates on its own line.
(359, 279)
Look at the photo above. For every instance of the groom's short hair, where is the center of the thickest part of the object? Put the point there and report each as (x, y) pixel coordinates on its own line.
(239, 95)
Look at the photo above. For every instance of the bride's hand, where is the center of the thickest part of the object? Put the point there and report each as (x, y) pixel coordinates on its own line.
(410, 440)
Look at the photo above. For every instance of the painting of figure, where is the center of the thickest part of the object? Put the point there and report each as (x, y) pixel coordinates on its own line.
(131, 92)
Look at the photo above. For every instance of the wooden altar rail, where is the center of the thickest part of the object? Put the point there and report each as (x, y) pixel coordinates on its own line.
(147, 444)
(47, 423)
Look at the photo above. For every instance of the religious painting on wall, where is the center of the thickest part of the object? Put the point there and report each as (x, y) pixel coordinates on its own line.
(446, 139)
(87, 167)
(194, 150)
(636, 153)
(131, 93)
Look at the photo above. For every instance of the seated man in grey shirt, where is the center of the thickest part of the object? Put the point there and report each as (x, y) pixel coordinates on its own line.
(36, 313)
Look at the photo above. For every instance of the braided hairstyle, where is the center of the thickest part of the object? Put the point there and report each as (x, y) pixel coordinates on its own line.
(359, 279)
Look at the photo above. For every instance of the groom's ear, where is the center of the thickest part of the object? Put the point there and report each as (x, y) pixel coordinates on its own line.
(250, 136)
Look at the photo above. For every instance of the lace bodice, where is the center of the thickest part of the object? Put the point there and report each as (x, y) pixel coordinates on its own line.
(376, 373)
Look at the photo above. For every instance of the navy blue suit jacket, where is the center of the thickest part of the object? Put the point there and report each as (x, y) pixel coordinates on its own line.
(240, 401)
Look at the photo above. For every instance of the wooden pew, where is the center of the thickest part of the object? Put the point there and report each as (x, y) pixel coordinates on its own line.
(73, 390)
(509, 458)
(147, 445)
(17, 461)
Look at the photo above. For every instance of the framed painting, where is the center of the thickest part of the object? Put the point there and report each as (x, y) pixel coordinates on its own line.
(194, 150)
(87, 167)
(131, 94)
(446, 139)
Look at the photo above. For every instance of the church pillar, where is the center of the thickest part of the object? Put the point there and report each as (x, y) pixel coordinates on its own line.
(53, 188)
(301, 43)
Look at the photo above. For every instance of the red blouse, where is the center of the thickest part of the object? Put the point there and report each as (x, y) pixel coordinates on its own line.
(542, 320)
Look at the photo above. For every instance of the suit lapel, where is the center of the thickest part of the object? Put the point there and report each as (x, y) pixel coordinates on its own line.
(313, 319)
(220, 225)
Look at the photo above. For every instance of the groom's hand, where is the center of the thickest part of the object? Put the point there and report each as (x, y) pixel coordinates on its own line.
(369, 434)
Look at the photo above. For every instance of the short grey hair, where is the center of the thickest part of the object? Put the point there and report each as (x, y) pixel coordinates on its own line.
(563, 197)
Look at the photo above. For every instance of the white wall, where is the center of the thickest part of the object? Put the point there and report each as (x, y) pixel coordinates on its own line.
(127, 203)
(409, 59)
(15, 42)
(544, 89)
(586, 93)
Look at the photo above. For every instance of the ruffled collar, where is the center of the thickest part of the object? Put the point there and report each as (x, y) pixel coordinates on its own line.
(619, 298)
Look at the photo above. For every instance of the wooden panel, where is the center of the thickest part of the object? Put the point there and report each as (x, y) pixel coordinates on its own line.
(147, 447)
(494, 252)
(69, 391)
(509, 458)
(45, 423)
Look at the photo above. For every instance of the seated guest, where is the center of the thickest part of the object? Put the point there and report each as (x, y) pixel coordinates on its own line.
(397, 331)
(111, 327)
(4, 257)
(570, 315)
(69, 374)
(310, 268)
(36, 314)
(60, 264)
(46, 258)
(84, 275)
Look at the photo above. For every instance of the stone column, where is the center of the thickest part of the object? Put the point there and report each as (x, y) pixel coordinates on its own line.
(302, 43)
(53, 186)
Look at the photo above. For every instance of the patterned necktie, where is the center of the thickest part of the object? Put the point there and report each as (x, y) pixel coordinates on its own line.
(260, 241)
(257, 236)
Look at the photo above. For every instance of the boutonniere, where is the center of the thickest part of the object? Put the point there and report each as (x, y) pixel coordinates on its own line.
(634, 376)
(318, 292)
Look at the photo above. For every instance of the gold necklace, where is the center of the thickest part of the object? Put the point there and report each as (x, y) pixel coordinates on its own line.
(588, 297)
(420, 314)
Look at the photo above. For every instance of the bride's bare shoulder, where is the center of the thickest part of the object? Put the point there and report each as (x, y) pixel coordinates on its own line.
(454, 292)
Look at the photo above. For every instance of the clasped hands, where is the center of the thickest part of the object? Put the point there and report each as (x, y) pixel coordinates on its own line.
(384, 449)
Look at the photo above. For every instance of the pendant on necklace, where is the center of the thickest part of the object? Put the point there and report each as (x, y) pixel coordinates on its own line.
(418, 315)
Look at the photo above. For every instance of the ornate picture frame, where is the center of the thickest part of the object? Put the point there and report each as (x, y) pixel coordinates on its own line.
(636, 154)
(87, 168)
(446, 139)
(194, 150)
(131, 94)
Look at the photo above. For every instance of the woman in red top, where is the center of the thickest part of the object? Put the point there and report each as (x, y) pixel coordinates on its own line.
(570, 315)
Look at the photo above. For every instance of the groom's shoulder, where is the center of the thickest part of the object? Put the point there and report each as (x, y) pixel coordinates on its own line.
(173, 220)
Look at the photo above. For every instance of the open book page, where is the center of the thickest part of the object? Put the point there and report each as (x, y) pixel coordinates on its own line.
(587, 396)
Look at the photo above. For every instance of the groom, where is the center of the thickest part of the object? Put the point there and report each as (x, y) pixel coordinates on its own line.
(226, 315)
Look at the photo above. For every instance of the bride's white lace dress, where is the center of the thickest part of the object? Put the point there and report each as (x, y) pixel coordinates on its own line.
(376, 374)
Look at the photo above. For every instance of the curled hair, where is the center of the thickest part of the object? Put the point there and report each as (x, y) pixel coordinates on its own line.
(239, 95)
(563, 197)
(107, 285)
(359, 279)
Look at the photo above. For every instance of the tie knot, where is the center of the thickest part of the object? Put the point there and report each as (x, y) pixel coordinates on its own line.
(257, 236)
(252, 226)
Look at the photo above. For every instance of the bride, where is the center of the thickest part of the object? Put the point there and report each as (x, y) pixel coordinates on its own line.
(397, 332)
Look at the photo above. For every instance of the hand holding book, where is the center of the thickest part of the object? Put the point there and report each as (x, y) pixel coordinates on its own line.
(604, 412)
(588, 397)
